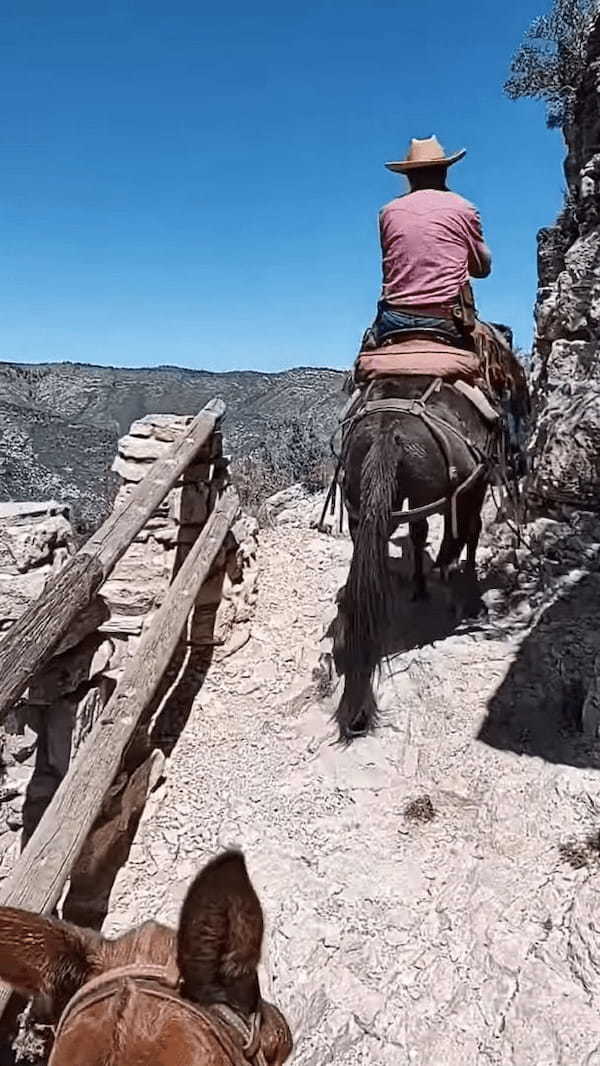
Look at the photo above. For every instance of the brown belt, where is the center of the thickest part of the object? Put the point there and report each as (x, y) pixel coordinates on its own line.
(425, 310)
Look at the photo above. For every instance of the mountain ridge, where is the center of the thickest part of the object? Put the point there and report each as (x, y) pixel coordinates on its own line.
(277, 425)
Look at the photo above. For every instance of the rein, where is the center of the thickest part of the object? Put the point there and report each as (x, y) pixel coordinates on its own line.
(156, 981)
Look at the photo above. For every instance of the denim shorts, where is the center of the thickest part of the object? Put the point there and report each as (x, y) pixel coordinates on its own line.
(390, 320)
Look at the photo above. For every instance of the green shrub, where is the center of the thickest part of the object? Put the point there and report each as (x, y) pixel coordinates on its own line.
(550, 63)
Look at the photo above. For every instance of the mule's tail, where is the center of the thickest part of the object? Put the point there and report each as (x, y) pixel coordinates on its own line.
(367, 597)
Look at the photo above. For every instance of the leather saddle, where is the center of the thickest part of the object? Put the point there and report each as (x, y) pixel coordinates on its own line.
(370, 343)
(417, 334)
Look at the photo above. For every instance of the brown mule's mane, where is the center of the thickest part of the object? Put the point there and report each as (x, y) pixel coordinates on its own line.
(151, 942)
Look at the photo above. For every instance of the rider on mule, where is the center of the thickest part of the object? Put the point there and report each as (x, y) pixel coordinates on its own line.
(423, 433)
(431, 242)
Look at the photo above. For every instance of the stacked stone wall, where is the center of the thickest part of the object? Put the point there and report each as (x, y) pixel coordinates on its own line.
(63, 702)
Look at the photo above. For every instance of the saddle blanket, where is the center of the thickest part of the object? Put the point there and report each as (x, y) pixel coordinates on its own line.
(423, 357)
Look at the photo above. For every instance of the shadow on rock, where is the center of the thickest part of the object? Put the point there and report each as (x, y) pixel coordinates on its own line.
(537, 710)
(107, 847)
(448, 607)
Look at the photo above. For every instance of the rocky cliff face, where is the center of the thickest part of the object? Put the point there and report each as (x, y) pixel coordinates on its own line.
(566, 365)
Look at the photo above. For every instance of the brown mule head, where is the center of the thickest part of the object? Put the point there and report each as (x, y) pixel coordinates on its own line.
(203, 983)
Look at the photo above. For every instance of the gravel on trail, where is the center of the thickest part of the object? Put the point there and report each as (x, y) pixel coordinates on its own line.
(429, 894)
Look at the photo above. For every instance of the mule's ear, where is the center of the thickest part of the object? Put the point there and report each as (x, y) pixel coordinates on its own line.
(43, 958)
(220, 935)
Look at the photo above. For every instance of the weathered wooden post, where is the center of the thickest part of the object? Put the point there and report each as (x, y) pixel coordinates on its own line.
(194, 530)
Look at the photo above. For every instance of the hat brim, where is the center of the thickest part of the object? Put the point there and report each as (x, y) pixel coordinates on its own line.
(405, 166)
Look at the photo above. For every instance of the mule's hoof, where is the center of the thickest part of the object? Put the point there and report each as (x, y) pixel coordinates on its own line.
(353, 733)
(476, 611)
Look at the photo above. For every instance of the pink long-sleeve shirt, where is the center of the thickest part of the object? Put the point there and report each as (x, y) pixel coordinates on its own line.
(431, 241)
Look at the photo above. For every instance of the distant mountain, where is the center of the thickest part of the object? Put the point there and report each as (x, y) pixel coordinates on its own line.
(60, 423)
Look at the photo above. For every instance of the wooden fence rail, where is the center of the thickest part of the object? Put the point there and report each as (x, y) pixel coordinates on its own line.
(33, 638)
(39, 875)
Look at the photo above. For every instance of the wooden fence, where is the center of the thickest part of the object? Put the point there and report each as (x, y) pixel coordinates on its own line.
(43, 868)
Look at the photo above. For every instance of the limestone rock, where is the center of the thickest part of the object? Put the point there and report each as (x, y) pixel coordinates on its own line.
(19, 740)
(283, 506)
(36, 539)
(130, 470)
(573, 362)
(143, 449)
(123, 624)
(66, 673)
(31, 533)
(189, 504)
(139, 580)
(162, 427)
(36, 545)
(87, 713)
(28, 510)
(566, 363)
(567, 449)
(172, 535)
(296, 506)
(17, 591)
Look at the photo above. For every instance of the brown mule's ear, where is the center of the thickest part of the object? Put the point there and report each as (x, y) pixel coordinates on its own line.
(275, 1036)
(43, 958)
(220, 935)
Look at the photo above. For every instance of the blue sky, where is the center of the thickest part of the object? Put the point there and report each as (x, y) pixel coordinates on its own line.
(198, 184)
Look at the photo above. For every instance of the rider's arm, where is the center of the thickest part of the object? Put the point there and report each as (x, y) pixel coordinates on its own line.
(480, 266)
(480, 257)
(380, 227)
(381, 243)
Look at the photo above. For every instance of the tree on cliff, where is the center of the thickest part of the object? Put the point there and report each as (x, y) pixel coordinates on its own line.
(550, 63)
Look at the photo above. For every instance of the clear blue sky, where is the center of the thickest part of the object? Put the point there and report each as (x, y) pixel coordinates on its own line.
(198, 183)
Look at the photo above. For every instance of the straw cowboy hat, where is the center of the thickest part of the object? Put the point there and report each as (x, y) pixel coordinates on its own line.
(426, 153)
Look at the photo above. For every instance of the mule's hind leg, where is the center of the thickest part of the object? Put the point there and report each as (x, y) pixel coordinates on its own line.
(473, 542)
(418, 535)
(449, 553)
(465, 588)
(474, 604)
(447, 563)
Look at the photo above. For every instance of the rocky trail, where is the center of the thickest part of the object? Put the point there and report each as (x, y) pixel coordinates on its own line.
(433, 891)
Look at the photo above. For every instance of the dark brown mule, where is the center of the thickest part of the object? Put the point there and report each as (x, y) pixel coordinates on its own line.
(390, 457)
(154, 997)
